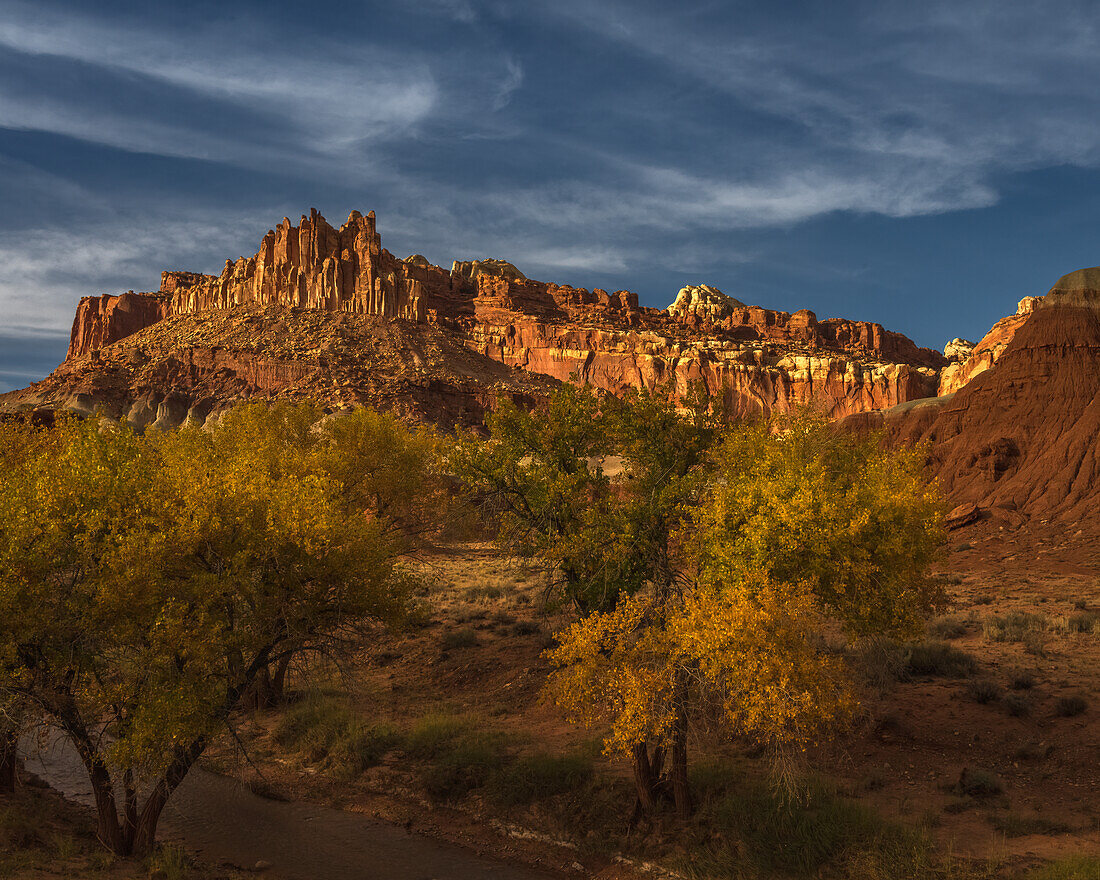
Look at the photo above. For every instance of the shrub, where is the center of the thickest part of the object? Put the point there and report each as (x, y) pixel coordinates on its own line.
(984, 690)
(1035, 643)
(325, 732)
(460, 769)
(537, 776)
(458, 638)
(1072, 868)
(1013, 627)
(1021, 679)
(526, 628)
(978, 783)
(1011, 825)
(939, 659)
(947, 628)
(1018, 705)
(1086, 622)
(1070, 706)
(433, 734)
(781, 837)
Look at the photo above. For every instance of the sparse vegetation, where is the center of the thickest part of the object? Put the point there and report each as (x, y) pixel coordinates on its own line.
(1013, 825)
(939, 659)
(1018, 705)
(979, 783)
(454, 639)
(944, 628)
(983, 690)
(1014, 627)
(1070, 706)
(326, 733)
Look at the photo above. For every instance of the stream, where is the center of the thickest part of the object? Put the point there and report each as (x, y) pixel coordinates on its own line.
(222, 822)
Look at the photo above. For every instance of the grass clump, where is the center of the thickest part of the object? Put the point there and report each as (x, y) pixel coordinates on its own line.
(538, 776)
(464, 766)
(817, 834)
(1070, 706)
(978, 783)
(458, 638)
(1085, 622)
(1072, 868)
(434, 734)
(1012, 825)
(1013, 627)
(460, 755)
(1021, 679)
(945, 628)
(939, 659)
(325, 732)
(983, 690)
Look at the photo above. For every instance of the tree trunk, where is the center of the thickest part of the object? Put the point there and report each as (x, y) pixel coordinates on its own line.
(145, 831)
(681, 791)
(9, 759)
(109, 831)
(645, 784)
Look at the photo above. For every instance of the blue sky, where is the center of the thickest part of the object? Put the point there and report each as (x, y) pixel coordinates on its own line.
(923, 165)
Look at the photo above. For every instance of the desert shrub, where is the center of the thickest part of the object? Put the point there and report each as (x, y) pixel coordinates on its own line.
(458, 638)
(801, 837)
(1021, 679)
(1085, 622)
(939, 659)
(1013, 627)
(526, 628)
(460, 768)
(1018, 705)
(1070, 706)
(1012, 825)
(978, 783)
(532, 777)
(433, 734)
(325, 732)
(169, 862)
(1035, 643)
(947, 628)
(983, 690)
(1072, 868)
(485, 591)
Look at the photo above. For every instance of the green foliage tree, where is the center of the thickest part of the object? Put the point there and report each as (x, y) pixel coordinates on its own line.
(588, 487)
(146, 583)
(797, 531)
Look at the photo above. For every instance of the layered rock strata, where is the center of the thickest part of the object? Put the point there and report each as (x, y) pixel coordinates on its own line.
(756, 359)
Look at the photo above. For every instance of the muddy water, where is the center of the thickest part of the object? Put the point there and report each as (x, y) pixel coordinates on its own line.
(222, 822)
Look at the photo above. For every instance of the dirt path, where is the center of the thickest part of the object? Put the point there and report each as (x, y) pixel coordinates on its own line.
(222, 822)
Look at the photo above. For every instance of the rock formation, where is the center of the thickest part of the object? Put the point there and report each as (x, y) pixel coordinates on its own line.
(704, 302)
(757, 359)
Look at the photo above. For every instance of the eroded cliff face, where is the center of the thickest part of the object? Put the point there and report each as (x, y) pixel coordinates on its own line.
(101, 320)
(755, 359)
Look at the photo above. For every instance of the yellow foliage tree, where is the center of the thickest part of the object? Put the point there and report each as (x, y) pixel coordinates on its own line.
(147, 582)
(798, 531)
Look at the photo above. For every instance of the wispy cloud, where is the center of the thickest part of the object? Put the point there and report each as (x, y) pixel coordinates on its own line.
(329, 102)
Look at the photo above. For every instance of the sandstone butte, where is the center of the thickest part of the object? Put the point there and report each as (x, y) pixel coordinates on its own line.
(1015, 433)
(311, 291)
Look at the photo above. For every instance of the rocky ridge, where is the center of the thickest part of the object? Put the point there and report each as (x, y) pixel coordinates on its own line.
(756, 359)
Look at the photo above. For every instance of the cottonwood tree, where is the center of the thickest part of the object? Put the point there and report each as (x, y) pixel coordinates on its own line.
(798, 531)
(588, 487)
(147, 582)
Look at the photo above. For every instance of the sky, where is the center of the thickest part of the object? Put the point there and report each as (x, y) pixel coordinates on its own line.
(922, 165)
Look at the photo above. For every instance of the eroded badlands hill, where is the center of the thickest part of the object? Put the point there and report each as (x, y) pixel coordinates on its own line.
(183, 339)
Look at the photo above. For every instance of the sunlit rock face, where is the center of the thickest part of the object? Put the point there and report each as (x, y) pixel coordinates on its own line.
(754, 360)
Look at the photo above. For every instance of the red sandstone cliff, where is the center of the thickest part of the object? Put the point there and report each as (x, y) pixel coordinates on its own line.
(758, 359)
